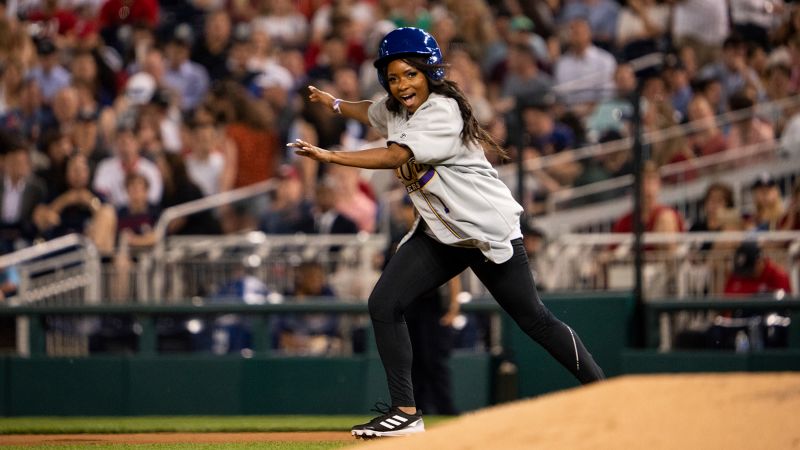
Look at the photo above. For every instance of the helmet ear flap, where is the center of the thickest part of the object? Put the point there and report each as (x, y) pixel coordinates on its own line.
(404, 42)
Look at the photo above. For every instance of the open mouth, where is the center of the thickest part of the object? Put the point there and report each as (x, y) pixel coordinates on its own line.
(408, 100)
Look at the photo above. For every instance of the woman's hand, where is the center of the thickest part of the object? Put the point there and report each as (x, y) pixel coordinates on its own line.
(303, 148)
(323, 97)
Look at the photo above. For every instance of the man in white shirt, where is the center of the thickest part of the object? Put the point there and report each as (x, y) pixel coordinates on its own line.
(20, 192)
(702, 25)
(109, 178)
(585, 74)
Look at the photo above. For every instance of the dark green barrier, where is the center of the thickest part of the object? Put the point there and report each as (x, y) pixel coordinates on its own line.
(4, 386)
(164, 385)
(652, 361)
(66, 386)
(600, 320)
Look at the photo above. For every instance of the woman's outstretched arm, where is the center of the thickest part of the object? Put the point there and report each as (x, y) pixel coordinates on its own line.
(389, 157)
(353, 110)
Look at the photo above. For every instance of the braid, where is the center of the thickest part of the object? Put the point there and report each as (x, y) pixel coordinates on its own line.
(472, 130)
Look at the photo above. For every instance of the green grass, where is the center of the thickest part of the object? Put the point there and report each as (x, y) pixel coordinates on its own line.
(189, 424)
(215, 446)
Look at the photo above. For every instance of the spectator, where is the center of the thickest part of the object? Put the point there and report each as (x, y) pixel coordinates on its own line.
(87, 140)
(212, 51)
(262, 54)
(284, 23)
(791, 218)
(678, 83)
(767, 203)
(706, 137)
(13, 75)
(656, 216)
(523, 79)
(605, 166)
(614, 113)
(237, 66)
(184, 76)
(750, 129)
(660, 116)
(49, 73)
(31, 116)
(641, 28)
(57, 23)
(755, 18)
(65, 106)
(21, 191)
(289, 212)
(327, 220)
(118, 17)
(308, 334)
(587, 69)
(179, 189)
(251, 129)
(85, 70)
(602, 17)
(205, 161)
(112, 172)
(58, 148)
(544, 136)
(778, 87)
(355, 200)
(275, 86)
(702, 25)
(732, 70)
(136, 220)
(77, 209)
(754, 273)
(717, 199)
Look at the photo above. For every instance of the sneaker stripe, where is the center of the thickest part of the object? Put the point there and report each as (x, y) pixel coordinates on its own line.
(394, 422)
(387, 425)
(400, 418)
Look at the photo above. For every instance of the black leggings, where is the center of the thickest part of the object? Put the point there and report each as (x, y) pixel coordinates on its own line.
(422, 264)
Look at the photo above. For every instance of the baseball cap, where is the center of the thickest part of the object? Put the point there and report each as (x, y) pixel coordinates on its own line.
(764, 179)
(745, 258)
(140, 88)
(521, 23)
(275, 76)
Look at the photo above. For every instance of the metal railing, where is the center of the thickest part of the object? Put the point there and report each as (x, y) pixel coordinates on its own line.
(193, 207)
(61, 271)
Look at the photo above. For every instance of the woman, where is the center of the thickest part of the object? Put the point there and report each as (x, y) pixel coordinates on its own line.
(468, 217)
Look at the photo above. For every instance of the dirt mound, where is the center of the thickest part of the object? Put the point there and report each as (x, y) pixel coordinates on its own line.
(730, 411)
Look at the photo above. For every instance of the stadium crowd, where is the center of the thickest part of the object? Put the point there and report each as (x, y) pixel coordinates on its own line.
(112, 110)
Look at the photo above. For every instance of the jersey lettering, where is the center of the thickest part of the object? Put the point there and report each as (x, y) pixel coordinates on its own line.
(414, 175)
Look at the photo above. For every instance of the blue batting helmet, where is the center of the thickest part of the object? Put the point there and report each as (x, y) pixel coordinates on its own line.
(405, 42)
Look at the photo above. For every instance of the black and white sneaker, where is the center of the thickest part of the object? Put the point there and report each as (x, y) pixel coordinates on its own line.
(391, 422)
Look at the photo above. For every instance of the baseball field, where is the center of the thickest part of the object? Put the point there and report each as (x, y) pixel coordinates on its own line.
(709, 411)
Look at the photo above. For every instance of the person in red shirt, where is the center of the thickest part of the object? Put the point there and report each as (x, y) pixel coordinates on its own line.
(657, 217)
(753, 273)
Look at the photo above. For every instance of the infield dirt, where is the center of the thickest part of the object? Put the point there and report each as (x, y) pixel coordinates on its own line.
(705, 411)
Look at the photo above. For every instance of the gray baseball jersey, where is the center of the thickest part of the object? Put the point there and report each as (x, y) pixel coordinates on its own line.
(453, 186)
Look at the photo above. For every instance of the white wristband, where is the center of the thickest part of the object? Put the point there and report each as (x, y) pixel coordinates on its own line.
(337, 105)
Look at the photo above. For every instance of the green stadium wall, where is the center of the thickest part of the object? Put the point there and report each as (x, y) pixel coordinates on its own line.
(268, 384)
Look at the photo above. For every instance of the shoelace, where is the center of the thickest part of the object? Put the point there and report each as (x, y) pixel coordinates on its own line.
(381, 408)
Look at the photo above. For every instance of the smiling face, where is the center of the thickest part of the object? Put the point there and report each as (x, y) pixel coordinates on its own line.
(407, 84)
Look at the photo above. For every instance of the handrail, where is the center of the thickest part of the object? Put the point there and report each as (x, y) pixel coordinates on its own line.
(650, 137)
(193, 207)
(209, 202)
(667, 170)
(672, 238)
(47, 247)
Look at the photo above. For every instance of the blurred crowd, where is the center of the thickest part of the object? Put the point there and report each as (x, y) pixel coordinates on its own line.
(113, 110)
